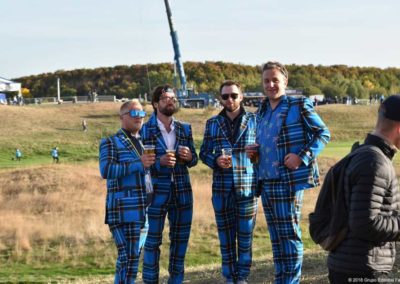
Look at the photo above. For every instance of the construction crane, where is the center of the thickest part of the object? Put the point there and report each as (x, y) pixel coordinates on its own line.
(177, 58)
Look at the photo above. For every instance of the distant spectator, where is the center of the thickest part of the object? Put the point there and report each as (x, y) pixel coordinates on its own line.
(54, 154)
(370, 99)
(382, 98)
(84, 125)
(89, 97)
(315, 101)
(18, 155)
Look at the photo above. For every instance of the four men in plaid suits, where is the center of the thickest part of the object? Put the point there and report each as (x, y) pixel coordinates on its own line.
(234, 181)
(175, 153)
(288, 135)
(123, 164)
(291, 135)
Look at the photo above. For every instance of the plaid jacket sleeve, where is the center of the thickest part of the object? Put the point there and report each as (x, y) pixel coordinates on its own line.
(187, 130)
(317, 132)
(207, 150)
(110, 166)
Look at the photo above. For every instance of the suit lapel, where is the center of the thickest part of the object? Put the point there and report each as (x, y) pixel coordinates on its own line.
(222, 125)
(180, 134)
(243, 126)
(127, 143)
(155, 131)
(284, 113)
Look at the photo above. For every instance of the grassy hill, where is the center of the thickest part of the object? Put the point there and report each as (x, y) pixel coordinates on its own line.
(51, 215)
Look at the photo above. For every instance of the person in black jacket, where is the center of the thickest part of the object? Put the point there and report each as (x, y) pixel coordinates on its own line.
(368, 251)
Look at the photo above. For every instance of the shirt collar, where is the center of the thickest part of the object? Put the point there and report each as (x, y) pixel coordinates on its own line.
(162, 127)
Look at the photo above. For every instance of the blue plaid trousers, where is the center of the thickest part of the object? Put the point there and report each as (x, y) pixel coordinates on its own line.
(235, 217)
(126, 237)
(282, 209)
(180, 222)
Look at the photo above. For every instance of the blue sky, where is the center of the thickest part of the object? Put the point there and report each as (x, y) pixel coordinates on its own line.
(46, 35)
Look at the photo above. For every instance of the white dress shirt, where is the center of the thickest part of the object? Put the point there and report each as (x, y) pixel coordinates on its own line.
(169, 138)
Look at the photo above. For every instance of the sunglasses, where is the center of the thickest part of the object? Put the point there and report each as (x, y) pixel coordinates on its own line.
(136, 113)
(233, 96)
(167, 90)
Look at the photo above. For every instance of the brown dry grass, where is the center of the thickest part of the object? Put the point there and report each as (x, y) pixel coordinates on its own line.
(40, 205)
(44, 205)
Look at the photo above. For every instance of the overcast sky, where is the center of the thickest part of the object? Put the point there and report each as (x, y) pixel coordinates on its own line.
(47, 35)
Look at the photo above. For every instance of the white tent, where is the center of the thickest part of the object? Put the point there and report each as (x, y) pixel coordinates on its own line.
(9, 86)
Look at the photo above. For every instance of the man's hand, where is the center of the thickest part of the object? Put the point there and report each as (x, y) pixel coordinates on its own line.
(292, 161)
(168, 160)
(224, 162)
(252, 150)
(184, 153)
(148, 160)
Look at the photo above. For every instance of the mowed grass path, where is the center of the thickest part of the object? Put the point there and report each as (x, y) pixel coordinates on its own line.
(51, 216)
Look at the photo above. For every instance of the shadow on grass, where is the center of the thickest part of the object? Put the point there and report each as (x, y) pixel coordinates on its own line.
(262, 271)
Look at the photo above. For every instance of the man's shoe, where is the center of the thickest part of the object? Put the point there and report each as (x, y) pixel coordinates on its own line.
(242, 282)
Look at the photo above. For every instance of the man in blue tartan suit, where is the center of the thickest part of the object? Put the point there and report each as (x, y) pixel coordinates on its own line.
(291, 135)
(234, 181)
(175, 153)
(123, 164)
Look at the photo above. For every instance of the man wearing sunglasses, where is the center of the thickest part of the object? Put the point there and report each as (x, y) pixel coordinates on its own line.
(234, 181)
(172, 189)
(123, 163)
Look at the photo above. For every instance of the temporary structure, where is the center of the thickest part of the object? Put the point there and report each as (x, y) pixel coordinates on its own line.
(9, 86)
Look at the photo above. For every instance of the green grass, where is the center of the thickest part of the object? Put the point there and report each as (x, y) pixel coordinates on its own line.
(340, 149)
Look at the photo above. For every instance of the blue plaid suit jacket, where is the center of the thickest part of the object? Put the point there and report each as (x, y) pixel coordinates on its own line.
(123, 169)
(161, 175)
(303, 133)
(242, 175)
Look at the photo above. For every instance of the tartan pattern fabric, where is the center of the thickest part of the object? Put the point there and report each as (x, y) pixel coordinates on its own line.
(233, 193)
(126, 238)
(242, 175)
(235, 221)
(180, 221)
(282, 210)
(170, 198)
(161, 176)
(302, 132)
(123, 169)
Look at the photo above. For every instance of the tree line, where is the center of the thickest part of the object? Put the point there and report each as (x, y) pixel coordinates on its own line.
(136, 80)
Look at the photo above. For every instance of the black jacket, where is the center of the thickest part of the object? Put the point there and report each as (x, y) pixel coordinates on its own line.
(373, 206)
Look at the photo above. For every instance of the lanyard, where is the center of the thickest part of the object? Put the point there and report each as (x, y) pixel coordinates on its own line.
(133, 145)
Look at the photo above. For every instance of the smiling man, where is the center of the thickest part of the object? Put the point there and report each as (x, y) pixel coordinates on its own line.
(291, 135)
(234, 181)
